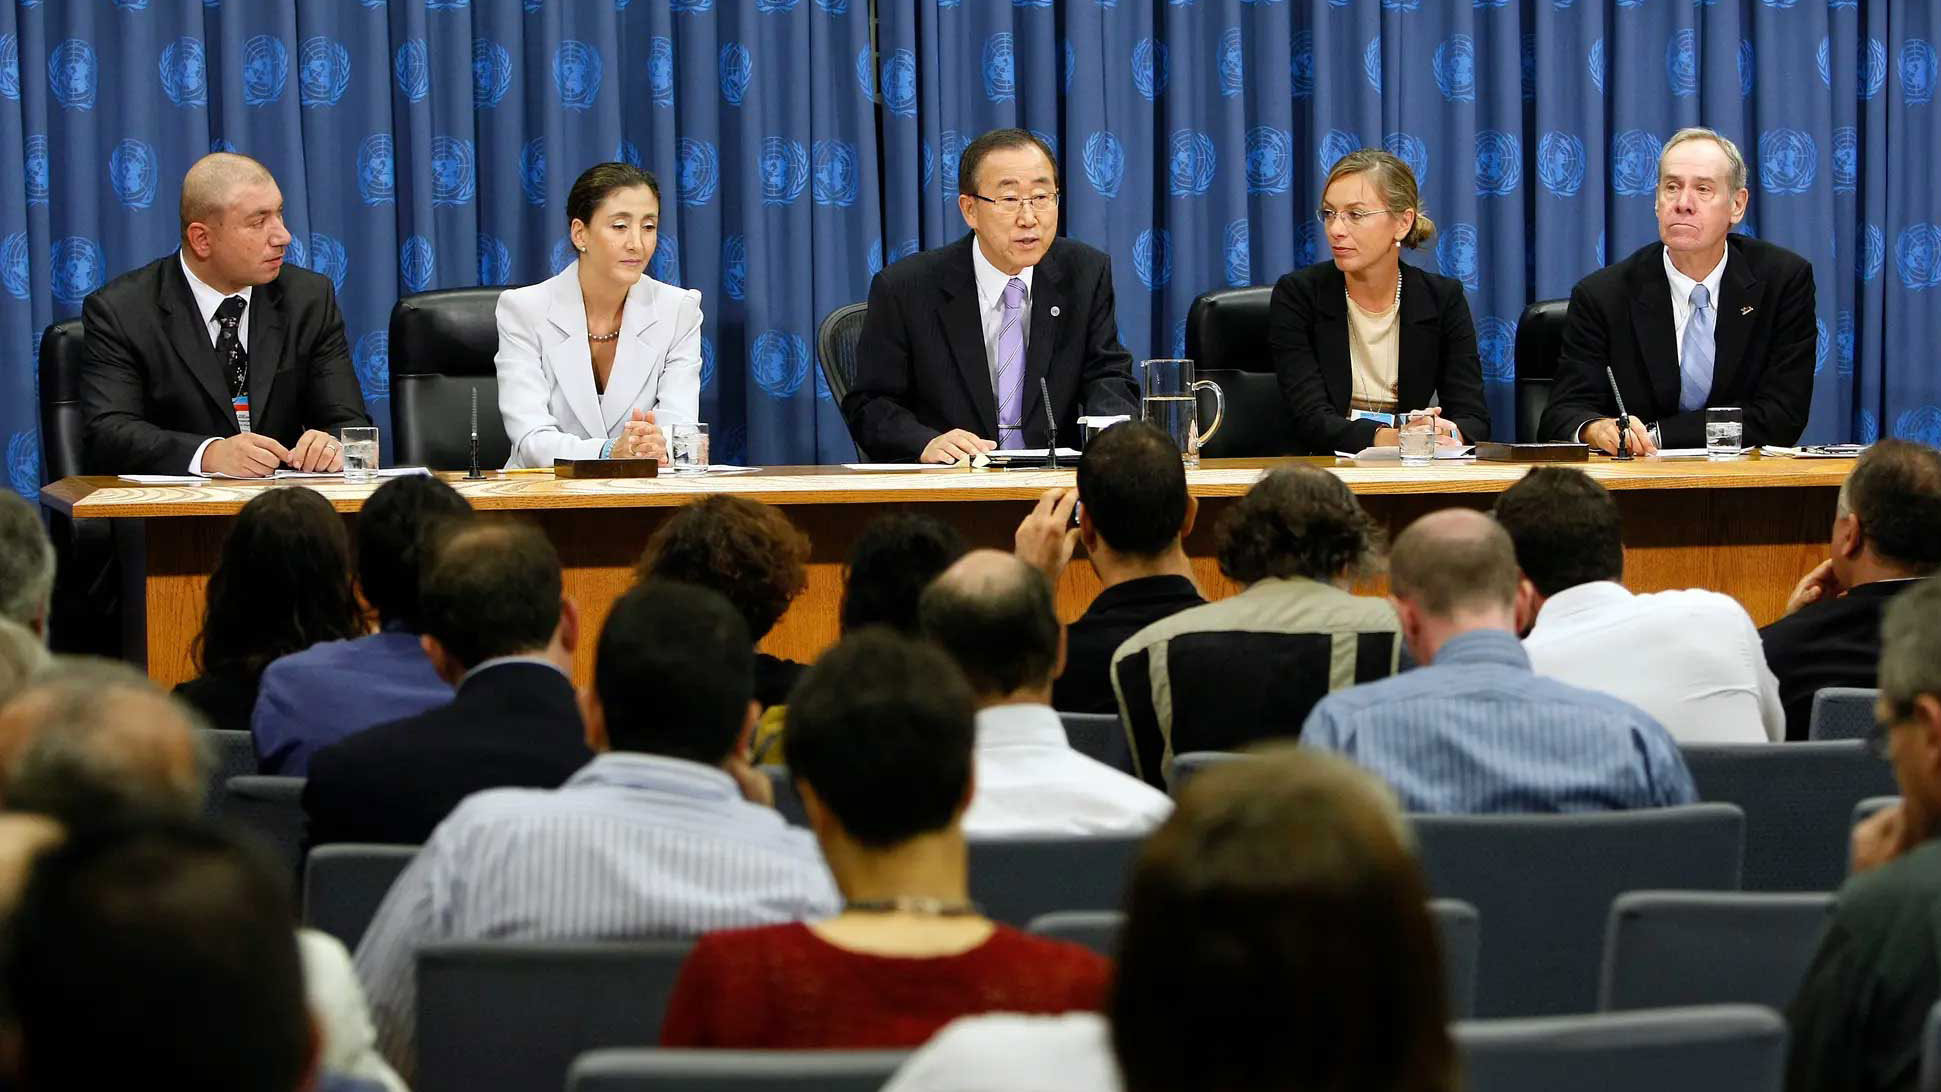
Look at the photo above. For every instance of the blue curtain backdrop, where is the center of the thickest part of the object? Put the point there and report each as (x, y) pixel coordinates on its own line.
(802, 144)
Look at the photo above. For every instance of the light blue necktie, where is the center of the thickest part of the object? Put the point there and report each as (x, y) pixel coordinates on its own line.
(1696, 356)
(1010, 368)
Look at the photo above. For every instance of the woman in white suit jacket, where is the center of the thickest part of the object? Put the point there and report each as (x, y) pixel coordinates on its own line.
(596, 361)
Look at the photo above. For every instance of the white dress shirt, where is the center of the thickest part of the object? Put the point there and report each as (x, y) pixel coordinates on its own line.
(207, 300)
(1012, 1052)
(1681, 297)
(1030, 783)
(990, 310)
(1692, 659)
(349, 1047)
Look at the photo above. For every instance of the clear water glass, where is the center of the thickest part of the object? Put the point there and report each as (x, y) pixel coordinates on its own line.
(360, 454)
(1418, 439)
(687, 446)
(1724, 432)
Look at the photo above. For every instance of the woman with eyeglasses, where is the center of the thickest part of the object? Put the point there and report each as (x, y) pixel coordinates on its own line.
(1358, 340)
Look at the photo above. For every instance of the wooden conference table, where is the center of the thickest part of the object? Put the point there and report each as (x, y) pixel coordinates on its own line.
(1749, 528)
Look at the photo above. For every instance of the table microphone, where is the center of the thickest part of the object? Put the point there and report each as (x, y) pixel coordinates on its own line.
(1623, 420)
(1051, 426)
(475, 475)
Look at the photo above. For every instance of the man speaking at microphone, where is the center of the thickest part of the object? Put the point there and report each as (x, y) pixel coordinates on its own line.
(958, 339)
(217, 359)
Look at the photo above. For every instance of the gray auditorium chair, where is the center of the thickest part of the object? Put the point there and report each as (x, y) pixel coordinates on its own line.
(1663, 949)
(1798, 799)
(787, 800)
(345, 882)
(271, 809)
(230, 754)
(1842, 712)
(1192, 762)
(1712, 1048)
(1931, 1051)
(1867, 808)
(734, 1070)
(1100, 736)
(1094, 929)
(1545, 883)
(511, 1016)
(1017, 879)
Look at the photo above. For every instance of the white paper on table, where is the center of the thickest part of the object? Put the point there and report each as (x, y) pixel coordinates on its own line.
(1036, 452)
(1686, 453)
(712, 468)
(1394, 454)
(1814, 451)
(385, 472)
(905, 468)
(162, 479)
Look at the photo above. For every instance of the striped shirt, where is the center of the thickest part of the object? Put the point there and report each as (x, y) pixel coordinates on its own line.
(632, 846)
(1477, 732)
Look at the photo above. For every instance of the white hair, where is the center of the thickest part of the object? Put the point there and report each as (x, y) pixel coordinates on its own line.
(1733, 159)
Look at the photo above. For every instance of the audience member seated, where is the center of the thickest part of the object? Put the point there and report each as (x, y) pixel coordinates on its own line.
(668, 832)
(21, 655)
(1475, 730)
(334, 689)
(1277, 937)
(880, 734)
(747, 551)
(1691, 659)
(282, 583)
(1886, 536)
(895, 557)
(1857, 1020)
(1132, 513)
(497, 628)
(994, 615)
(94, 742)
(1249, 667)
(26, 565)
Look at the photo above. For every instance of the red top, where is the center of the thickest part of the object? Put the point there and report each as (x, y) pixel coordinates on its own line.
(782, 987)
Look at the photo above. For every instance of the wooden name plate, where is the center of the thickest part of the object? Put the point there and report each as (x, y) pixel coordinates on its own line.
(1491, 452)
(606, 468)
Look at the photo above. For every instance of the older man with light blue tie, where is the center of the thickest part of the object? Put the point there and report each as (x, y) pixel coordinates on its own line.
(1702, 318)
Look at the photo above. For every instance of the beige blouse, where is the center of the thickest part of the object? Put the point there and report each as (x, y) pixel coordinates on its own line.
(1374, 356)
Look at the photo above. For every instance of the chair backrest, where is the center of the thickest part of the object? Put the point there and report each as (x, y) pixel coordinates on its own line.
(1871, 806)
(835, 347)
(441, 348)
(1798, 799)
(1456, 921)
(271, 808)
(512, 1015)
(1931, 1051)
(230, 754)
(1668, 948)
(1842, 712)
(787, 800)
(1712, 1048)
(1257, 424)
(1017, 879)
(734, 1070)
(345, 882)
(1100, 736)
(1227, 328)
(1539, 342)
(1192, 762)
(1544, 883)
(63, 430)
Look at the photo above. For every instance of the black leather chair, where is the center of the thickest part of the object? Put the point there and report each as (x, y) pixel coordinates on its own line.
(1226, 337)
(835, 351)
(441, 349)
(86, 613)
(1539, 341)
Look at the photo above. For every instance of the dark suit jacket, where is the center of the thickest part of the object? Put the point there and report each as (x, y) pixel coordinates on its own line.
(152, 389)
(1835, 642)
(1119, 612)
(1763, 363)
(1307, 333)
(515, 724)
(921, 368)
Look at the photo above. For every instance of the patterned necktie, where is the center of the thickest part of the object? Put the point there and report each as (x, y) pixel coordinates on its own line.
(1695, 358)
(1010, 368)
(229, 347)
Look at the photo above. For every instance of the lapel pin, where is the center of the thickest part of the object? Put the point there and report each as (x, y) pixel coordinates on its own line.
(1054, 310)
(1746, 310)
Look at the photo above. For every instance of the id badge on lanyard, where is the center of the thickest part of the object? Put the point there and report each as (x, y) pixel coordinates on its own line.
(241, 405)
(1387, 419)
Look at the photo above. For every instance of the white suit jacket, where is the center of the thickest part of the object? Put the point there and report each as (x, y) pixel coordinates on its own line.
(545, 367)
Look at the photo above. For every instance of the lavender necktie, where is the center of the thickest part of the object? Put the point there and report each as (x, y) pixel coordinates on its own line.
(1010, 368)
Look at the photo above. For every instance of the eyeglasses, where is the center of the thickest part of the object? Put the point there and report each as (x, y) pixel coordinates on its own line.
(1011, 206)
(1356, 217)
(1879, 738)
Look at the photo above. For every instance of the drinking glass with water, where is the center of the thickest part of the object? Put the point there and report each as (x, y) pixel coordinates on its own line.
(687, 446)
(1724, 432)
(1417, 438)
(1169, 398)
(360, 454)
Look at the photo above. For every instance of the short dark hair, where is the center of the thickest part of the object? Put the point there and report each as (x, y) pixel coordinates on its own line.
(491, 588)
(1895, 491)
(893, 560)
(159, 932)
(999, 624)
(972, 158)
(1282, 893)
(392, 533)
(1565, 527)
(1299, 520)
(599, 181)
(674, 672)
(882, 728)
(281, 584)
(1133, 486)
(1453, 560)
(744, 549)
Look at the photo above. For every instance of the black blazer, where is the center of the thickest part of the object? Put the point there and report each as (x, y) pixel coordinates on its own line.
(1621, 315)
(152, 389)
(921, 368)
(515, 724)
(1307, 334)
(1834, 642)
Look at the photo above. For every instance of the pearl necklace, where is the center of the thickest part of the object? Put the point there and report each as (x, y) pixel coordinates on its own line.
(912, 904)
(616, 333)
(1398, 289)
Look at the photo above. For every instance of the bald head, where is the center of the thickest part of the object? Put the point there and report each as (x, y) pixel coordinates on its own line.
(993, 614)
(1454, 562)
(212, 185)
(92, 739)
